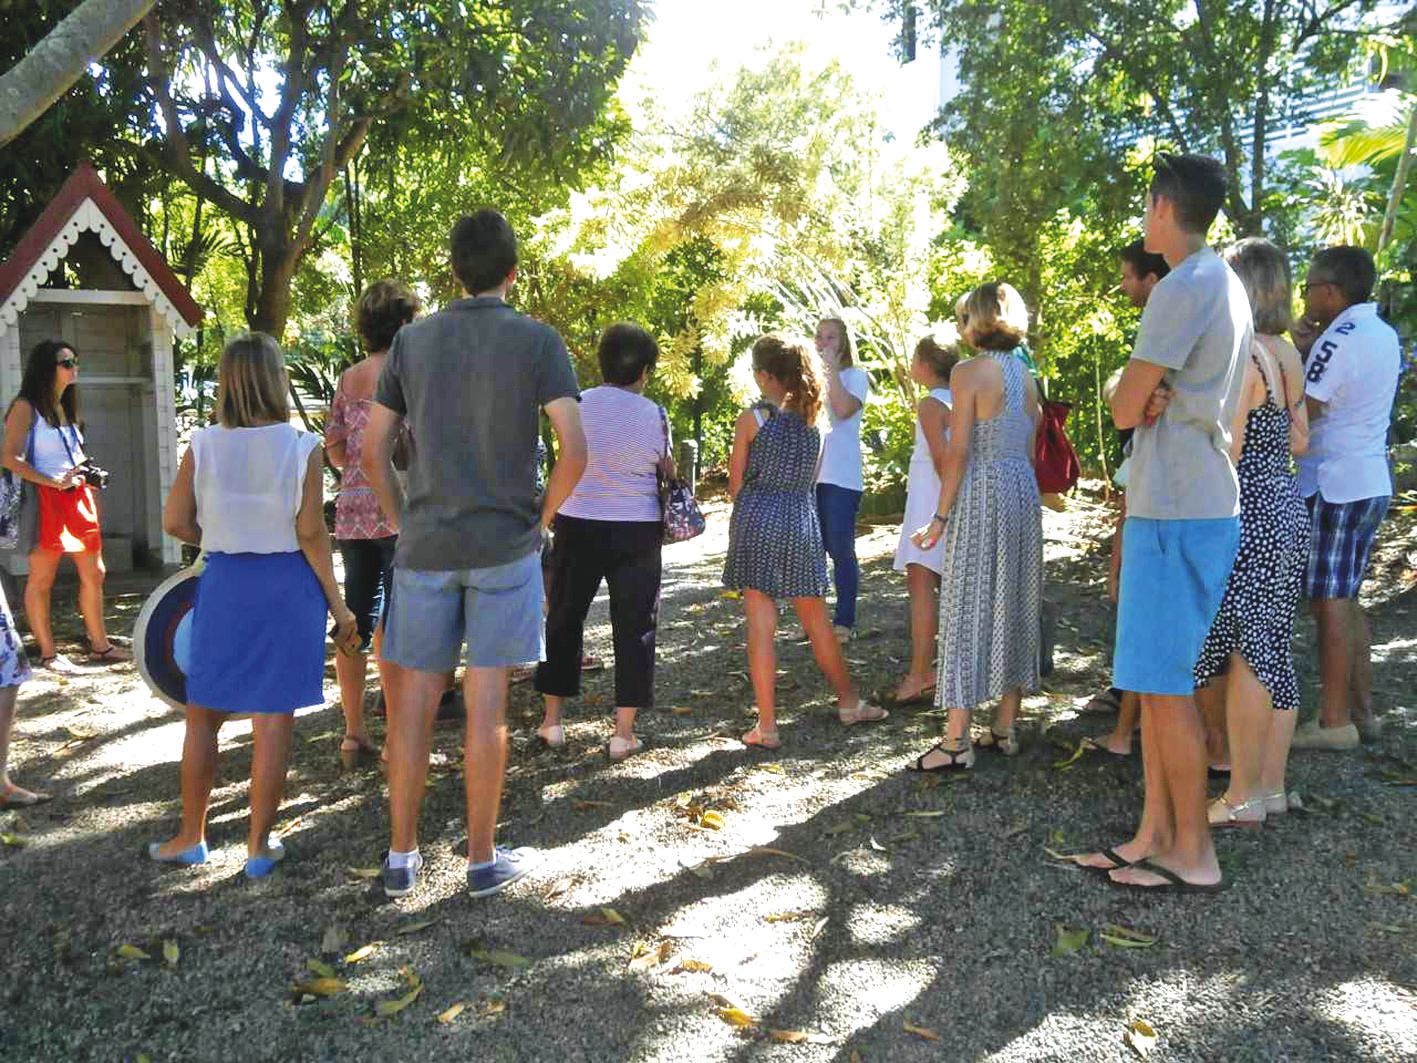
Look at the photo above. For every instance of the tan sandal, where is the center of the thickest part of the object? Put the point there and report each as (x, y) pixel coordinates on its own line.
(354, 750)
(618, 748)
(762, 738)
(864, 712)
(1222, 814)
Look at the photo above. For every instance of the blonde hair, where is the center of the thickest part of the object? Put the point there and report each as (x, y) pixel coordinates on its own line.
(996, 315)
(847, 356)
(796, 369)
(252, 385)
(941, 357)
(1264, 271)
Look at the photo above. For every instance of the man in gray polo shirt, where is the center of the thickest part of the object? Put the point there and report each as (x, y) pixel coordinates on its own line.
(471, 381)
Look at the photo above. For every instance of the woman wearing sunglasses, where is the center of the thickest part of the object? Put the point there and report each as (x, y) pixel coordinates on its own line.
(44, 444)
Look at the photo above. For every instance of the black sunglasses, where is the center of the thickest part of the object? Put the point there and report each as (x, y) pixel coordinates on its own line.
(66, 363)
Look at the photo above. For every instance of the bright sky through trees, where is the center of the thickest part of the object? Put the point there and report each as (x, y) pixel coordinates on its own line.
(691, 44)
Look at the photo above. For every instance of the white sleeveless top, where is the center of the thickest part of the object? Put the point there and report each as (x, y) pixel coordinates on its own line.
(248, 483)
(921, 453)
(56, 450)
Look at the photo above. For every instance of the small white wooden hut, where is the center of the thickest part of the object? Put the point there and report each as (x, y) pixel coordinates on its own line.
(84, 273)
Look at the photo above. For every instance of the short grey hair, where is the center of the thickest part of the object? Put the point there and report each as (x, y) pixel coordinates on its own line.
(1264, 271)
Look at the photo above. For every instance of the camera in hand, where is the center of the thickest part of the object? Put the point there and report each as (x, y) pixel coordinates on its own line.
(94, 475)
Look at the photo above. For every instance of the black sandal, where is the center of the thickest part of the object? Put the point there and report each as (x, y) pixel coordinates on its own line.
(1171, 882)
(1118, 861)
(960, 760)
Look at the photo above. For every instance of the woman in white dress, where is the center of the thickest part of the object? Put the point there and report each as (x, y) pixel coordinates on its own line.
(930, 368)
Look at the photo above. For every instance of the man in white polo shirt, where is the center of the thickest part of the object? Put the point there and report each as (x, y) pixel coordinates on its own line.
(1350, 382)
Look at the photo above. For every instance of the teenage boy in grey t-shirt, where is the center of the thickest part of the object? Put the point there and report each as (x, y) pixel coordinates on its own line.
(1180, 390)
(471, 381)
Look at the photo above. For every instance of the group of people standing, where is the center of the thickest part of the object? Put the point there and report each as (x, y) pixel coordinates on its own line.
(446, 531)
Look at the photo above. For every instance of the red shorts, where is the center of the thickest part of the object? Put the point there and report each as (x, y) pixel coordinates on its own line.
(68, 521)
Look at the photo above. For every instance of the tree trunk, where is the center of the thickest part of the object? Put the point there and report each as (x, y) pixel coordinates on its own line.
(1399, 181)
(271, 307)
(50, 69)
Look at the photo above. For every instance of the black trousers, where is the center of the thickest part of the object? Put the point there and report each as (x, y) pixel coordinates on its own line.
(625, 554)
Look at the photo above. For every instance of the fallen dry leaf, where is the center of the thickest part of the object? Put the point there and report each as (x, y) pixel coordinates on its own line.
(171, 953)
(923, 1032)
(362, 872)
(362, 953)
(788, 917)
(694, 966)
(320, 987)
(839, 828)
(557, 888)
(388, 1008)
(499, 957)
(644, 956)
(14, 841)
(415, 927)
(450, 1013)
(788, 1037)
(1140, 1037)
(713, 820)
(587, 806)
(1123, 937)
(320, 969)
(604, 917)
(736, 1017)
(681, 710)
(131, 952)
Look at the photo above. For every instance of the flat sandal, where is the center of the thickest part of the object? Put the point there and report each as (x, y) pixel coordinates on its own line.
(960, 760)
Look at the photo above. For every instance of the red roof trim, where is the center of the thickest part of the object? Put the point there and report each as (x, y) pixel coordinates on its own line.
(84, 183)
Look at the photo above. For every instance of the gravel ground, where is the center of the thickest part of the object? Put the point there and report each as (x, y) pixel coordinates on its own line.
(845, 909)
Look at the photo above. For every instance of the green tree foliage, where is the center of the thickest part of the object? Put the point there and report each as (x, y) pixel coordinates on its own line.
(262, 108)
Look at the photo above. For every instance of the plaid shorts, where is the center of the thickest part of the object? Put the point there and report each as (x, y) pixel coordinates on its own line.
(1342, 541)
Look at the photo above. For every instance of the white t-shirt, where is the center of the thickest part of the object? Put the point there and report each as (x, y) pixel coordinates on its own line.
(625, 438)
(248, 483)
(841, 449)
(1353, 369)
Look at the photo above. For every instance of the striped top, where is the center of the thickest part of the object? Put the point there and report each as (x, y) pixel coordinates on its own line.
(626, 439)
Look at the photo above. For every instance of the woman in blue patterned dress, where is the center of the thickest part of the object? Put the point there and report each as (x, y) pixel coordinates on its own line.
(992, 529)
(775, 538)
(14, 670)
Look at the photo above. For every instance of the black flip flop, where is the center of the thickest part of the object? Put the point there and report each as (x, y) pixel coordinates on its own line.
(1118, 861)
(1173, 883)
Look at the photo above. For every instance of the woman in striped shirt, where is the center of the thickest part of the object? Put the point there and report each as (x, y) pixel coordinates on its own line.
(610, 529)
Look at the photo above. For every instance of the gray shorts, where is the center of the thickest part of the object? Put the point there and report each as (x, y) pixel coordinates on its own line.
(496, 611)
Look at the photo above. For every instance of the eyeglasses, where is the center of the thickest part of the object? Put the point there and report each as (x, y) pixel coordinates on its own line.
(1317, 284)
(67, 363)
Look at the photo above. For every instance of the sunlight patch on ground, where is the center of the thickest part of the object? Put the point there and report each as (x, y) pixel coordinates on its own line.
(1374, 1011)
(880, 924)
(1396, 650)
(861, 991)
(1104, 1034)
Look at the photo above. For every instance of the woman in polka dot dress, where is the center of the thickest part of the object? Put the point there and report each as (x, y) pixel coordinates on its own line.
(1249, 642)
(775, 539)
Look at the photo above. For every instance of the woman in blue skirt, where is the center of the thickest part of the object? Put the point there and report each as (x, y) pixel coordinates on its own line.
(250, 492)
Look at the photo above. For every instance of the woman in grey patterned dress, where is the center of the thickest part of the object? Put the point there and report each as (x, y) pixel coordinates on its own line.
(775, 539)
(992, 528)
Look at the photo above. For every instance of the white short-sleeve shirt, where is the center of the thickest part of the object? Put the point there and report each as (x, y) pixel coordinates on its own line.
(841, 449)
(1353, 369)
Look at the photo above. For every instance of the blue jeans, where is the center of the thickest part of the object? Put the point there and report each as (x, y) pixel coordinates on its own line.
(836, 509)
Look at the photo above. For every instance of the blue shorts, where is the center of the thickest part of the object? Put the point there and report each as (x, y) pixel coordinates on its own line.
(1173, 580)
(1341, 541)
(496, 611)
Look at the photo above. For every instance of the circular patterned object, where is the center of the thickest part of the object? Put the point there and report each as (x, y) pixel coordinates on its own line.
(162, 636)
